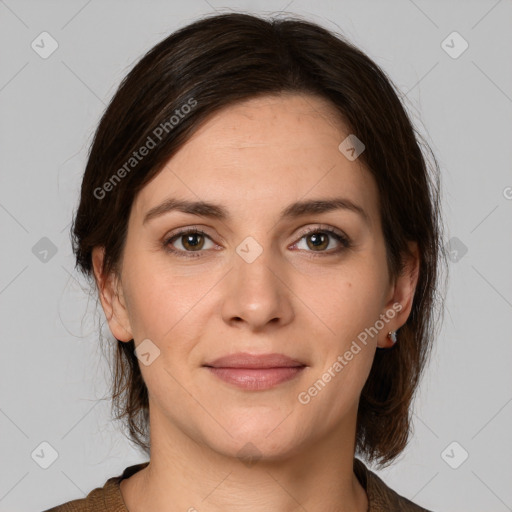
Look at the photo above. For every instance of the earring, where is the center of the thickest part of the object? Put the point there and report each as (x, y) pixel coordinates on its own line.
(392, 336)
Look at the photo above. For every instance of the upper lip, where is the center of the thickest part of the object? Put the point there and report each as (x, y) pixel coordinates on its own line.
(245, 360)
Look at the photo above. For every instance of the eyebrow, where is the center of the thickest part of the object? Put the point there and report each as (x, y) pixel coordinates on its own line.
(217, 211)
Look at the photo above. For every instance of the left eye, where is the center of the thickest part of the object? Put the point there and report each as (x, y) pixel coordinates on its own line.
(318, 240)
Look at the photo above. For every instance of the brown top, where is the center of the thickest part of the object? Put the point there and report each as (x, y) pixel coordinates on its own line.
(108, 498)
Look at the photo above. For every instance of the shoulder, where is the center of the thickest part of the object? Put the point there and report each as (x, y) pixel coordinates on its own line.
(107, 498)
(382, 498)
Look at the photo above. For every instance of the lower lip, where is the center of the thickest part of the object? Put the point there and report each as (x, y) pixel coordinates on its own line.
(256, 379)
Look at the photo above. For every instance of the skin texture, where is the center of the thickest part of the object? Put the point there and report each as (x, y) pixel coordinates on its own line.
(255, 158)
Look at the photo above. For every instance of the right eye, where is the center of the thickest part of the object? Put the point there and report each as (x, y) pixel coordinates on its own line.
(191, 239)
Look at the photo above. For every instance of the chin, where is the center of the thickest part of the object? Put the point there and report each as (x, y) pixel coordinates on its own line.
(258, 441)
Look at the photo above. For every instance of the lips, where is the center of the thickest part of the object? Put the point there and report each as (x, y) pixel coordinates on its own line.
(255, 372)
(262, 361)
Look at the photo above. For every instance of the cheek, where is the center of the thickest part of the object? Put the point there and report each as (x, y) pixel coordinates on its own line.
(165, 303)
(156, 299)
(344, 302)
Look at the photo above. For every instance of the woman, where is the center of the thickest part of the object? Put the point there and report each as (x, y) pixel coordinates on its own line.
(264, 234)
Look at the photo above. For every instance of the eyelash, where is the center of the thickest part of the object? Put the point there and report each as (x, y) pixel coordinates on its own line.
(344, 240)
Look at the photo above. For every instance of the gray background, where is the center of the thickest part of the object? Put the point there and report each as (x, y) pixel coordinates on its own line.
(54, 377)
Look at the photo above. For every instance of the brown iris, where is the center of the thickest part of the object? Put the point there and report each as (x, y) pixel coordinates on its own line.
(317, 242)
(189, 241)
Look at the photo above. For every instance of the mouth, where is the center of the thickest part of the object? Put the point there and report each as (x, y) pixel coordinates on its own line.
(255, 372)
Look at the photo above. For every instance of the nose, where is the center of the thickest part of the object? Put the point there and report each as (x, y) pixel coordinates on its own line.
(257, 293)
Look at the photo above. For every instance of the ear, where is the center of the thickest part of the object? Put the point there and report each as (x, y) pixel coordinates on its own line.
(402, 294)
(111, 297)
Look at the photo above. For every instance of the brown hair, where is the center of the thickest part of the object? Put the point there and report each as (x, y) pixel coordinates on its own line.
(213, 63)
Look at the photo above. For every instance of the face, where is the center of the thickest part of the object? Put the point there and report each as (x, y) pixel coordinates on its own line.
(308, 285)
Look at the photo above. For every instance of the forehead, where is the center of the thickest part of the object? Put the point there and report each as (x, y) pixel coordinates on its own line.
(271, 151)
